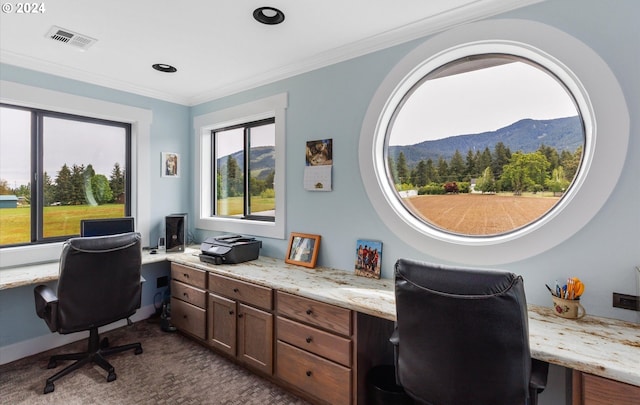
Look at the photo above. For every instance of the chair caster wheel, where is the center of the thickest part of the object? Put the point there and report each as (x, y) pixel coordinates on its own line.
(49, 388)
(138, 351)
(104, 343)
(52, 364)
(111, 376)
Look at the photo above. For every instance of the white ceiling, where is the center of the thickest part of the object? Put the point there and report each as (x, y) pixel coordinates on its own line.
(217, 46)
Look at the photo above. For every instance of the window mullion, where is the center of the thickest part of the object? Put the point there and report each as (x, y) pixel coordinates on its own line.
(37, 178)
(246, 180)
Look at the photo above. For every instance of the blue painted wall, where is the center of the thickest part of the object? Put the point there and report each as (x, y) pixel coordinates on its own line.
(331, 103)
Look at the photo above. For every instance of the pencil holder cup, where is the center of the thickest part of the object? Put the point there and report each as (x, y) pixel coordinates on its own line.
(570, 309)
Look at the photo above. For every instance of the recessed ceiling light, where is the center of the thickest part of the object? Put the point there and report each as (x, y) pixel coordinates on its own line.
(163, 67)
(268, 15)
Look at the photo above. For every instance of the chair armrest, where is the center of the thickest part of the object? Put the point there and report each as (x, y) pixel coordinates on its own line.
(539, 373)
(46, 305)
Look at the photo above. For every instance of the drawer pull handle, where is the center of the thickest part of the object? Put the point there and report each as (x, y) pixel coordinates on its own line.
(186, 295)
(231, 312)
(309, 311)
(239, 315)
(184, 316)
(309, 339)
(235, 290)
(308, 373)
(186, 275)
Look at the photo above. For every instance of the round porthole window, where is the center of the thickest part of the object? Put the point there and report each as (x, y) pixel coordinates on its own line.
(484, 145)
(481, 145)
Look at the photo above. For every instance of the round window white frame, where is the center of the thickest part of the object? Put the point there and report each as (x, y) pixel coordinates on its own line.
(598, 96)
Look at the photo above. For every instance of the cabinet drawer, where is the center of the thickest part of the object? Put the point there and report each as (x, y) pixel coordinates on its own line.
(314, 340)
(326, 316)
(590, 389)
(188, 318)
(252, 294)
(188, 275)
(192, 295)
(319, 377)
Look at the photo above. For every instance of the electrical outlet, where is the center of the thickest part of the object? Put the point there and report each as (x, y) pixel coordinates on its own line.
(625, 301)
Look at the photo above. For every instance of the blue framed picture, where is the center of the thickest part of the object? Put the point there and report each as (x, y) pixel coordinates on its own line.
(368, 258)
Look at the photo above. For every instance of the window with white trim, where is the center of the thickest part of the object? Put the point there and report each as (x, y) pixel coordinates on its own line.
(240, 168)
(57, 169)
(586, 77)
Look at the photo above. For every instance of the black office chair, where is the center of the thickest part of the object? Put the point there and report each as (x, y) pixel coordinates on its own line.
(99, 284)
(462, 336)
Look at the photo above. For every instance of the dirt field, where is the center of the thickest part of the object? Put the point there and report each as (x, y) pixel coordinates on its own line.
(478, 214)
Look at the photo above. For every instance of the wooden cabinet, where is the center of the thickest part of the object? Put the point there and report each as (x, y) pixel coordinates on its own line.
(188, 300)
(589, 389)
(240, 321)
(314, 349)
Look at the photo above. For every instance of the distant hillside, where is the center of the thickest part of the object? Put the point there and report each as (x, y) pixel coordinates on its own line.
(262, 160)
(525, 135)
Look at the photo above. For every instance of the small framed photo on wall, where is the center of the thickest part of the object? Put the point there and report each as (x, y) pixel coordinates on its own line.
(170, 164)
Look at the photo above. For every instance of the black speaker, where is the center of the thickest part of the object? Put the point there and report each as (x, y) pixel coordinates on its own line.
(176, 227)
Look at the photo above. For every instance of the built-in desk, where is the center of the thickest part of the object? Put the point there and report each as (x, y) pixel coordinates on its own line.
(18, 276)
(598, 346)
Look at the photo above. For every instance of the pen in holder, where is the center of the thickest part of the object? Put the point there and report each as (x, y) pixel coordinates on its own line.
(566, 299)
(570, 309)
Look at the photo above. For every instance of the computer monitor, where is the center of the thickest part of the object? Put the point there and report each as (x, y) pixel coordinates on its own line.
(106, 226)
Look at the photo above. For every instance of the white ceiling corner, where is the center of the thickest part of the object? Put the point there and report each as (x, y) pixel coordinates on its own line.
(217, 46)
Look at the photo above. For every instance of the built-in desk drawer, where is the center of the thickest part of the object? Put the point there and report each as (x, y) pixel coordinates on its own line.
(316, 313)
(314, 340)
(192, 295)
(188, 318)
(319, 377)
(189, 275)
(258, 296)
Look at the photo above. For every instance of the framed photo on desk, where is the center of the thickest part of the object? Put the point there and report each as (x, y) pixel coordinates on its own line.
(303, 249)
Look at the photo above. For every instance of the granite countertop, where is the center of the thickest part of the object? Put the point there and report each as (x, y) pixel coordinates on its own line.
(605, 347)
(12, 277)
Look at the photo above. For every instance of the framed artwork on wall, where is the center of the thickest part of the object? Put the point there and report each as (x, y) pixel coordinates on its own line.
(170, 164)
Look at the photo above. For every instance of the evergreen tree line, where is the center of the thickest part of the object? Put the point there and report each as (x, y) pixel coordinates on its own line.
(70, 185)
(231, 181)
(500, 170)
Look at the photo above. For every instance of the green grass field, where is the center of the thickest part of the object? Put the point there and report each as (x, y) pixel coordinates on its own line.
(233, 205)
(15, 223)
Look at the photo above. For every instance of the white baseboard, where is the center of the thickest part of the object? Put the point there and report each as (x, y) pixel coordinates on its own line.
(40, 344)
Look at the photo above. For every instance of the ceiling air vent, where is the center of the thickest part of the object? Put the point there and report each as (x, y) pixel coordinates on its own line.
(69, 37)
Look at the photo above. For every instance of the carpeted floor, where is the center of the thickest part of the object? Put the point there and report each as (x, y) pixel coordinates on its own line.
(172, 370)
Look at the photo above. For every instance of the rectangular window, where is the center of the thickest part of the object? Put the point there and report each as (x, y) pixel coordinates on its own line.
(249, 198)
(57, 169)
(244, 171)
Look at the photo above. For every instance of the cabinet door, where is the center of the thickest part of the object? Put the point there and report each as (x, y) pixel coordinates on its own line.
(221, 314)
(255, 338)
(188, 318)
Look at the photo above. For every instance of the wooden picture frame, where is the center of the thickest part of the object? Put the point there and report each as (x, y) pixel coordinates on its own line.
(303, 249)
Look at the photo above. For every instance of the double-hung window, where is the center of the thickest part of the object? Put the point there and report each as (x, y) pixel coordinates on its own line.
(57, 169)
